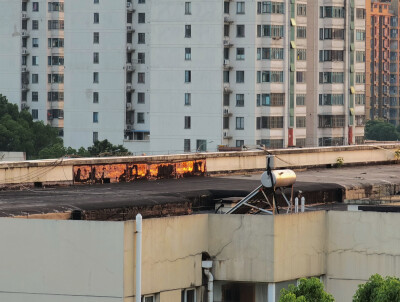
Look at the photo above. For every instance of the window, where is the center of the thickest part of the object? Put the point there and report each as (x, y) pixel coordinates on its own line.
(188, 31)
(273, 99)
(331, 34)
(240, 31)
(95, 97)
(269, 122)
(35, 114)
(141, 58)
(96, 38)
(301, 32)
(186, 145)
(300, 99)
(141, 1)
(23, 60)
(240, 7)
(56, 78)
(360, 120)
(331, 121)
(95, 58)
(226, 76)
(187, 122)
(360, 99)
(240, 123)
(188, 100)
(226, 7)
(226, 99)
(239, 76)
(96, 18)
(188, 54)
(331, 55)
(188, 8)
(35, 78)
(55, 24)
(95, 117)
(360, 56)
(239, 143)
(56, 6)
(276, 31)
(270, 53)
(55, 96)
(141, 77)
(300, 76)
(188, 76)
(55, 60)
(35, 24)
(96, 1)
(301, 54)
(331, 77)
(24, 6)
(95, 77)
(300, 122)
(360, 77)
(360, 35)
(35, 61)
(239, 53)
(55, 113)
(35, 96)
(55, 42)
(269, 76)
(201, 145)
(301, 9)
(225, 122)
(141, 38)
(95, 137)
(300, 142)
(35, 6)
(226, 30)
(141, 98)
(35, 42)
(141, 17)
(140, 118)
(239, 100)
(331, 12)
(360, 13)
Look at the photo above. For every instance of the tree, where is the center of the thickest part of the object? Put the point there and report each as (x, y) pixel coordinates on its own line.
(105, 148)
(381, 131)
(308, 290)
(378, 289)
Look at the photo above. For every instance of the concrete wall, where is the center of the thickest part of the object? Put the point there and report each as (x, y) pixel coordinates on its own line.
(12, 156)
(48, 260)
(60, 170)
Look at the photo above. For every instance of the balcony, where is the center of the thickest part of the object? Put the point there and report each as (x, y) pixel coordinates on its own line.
(129, 47)
(129, 67)
(129, 28)
(129, 87)
(129, 7)
(25, 33)
(227, 65)
(227, 43)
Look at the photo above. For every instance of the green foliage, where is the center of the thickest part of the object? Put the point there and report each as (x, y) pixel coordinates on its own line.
(105, 148)
(18, 132)
(339, 162)
(381, 131)
(397, 154)
(378, 289)
(308, 290)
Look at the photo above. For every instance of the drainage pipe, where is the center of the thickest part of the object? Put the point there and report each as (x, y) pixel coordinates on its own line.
(138, 294)
(207, 265)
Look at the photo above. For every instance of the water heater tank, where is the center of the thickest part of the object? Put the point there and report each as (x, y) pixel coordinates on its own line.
(280, 178)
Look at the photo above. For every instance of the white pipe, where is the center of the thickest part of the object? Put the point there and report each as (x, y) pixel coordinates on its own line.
(138, 295)
(296, 205)
(271, 292)
(303, 203)
(210, 287)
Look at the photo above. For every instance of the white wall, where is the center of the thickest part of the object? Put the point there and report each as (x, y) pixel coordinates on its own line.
(61, 260)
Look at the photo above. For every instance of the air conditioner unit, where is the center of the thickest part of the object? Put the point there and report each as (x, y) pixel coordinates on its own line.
(24, 69)
(24, 106)
(24, 33)
(226, 62)
(226, 134)
(24, 51)
(226, 19)
(24, 15)
(128, 5)
(129, 127)
(129, 27)
(226, 42)
(129, 67)
(226, 111)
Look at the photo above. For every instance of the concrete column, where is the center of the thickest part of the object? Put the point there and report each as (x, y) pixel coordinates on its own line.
(271, 292)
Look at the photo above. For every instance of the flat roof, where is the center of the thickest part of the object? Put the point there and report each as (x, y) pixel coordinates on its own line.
(178, 191)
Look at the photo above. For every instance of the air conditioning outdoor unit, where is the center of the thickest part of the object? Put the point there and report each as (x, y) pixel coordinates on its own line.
(129, 27)
(24, 51)
(226, 134)
(226, 111)
(226, 62)
(129, 127)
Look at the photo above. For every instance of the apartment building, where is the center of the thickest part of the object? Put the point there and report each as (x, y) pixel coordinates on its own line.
(186, 76)
(382, 61)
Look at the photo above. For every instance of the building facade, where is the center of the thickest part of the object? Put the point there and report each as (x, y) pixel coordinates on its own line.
(382, 61)
(188, 76)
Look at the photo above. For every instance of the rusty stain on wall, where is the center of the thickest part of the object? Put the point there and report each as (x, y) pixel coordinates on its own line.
(127, 172)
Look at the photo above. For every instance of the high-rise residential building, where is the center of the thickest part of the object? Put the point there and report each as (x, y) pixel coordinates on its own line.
(181, 76)
(382, 60)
